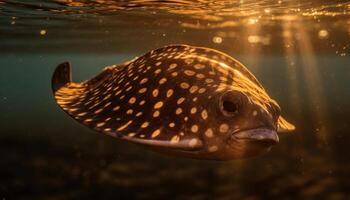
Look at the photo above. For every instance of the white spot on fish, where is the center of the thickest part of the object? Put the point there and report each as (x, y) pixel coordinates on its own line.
(142, 90)
(145, 125)
(163, 80)
(223, 128)
(209, 133)
(180, 100)
(158, 105)
(178, 111)
(194, 128)
(213, 148)
(143, 81)
(175, 139)
(156, 113)
(124, 125)
(155, 133)
(132, 100)
(193, 142)
(193, 110)
(193, 89)
(169, 93)
(155, 92)
(204, 114)
(184, 85)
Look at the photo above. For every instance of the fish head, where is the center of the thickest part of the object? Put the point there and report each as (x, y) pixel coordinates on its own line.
(247, 120)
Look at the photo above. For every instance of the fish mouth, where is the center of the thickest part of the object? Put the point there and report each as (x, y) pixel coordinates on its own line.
(265, 136)
(252, 142)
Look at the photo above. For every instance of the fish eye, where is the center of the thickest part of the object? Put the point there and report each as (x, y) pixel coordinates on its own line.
(230, 103)
(229, 106)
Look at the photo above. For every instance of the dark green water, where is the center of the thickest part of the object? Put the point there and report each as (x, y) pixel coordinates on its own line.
(298, 50)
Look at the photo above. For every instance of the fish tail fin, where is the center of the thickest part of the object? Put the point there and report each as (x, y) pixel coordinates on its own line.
(66, 92)
(62, 76)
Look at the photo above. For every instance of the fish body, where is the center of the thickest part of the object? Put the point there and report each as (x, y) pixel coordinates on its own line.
(188, 101)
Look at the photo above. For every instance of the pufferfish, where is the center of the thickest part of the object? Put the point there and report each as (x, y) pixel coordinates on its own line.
(183, 100)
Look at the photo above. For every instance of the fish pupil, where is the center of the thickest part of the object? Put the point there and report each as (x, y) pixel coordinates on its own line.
(230, 107)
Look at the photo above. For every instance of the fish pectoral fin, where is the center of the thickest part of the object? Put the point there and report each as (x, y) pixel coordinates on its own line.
(283, 126)
(185, 144)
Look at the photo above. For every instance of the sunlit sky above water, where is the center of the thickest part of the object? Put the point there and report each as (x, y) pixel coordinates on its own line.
(128, 26)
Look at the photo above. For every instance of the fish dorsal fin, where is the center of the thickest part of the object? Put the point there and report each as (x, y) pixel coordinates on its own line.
(283, 126)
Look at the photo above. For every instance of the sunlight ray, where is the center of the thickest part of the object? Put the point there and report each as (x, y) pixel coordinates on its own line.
(316, 96)
(289, 48)
(252, 45)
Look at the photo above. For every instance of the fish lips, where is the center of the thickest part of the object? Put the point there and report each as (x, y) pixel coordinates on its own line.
(258, 135)
(253, 142)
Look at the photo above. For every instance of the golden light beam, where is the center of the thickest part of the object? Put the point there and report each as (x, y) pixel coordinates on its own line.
(252, 29)
(314, 85)
(289, 48)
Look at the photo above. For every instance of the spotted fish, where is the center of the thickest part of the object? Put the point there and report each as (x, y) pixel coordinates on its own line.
(188, 101)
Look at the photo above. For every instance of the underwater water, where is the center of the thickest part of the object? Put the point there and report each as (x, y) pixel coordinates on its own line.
(299, 50)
